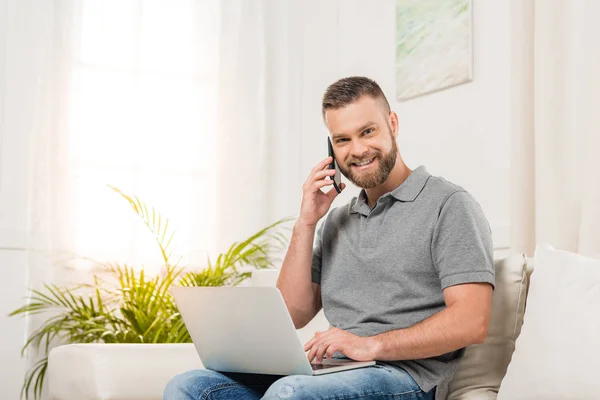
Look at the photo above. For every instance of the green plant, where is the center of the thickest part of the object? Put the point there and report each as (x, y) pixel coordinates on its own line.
(125, 305)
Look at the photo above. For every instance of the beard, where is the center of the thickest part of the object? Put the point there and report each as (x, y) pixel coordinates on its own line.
(370, 179)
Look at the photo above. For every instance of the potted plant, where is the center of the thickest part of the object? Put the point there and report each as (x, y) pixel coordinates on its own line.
(125, 305)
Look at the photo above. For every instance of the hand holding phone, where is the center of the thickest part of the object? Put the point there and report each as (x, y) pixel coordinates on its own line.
(316, 203)
(337, 178)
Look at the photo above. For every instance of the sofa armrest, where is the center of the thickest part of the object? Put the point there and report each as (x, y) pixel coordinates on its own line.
(116, 371)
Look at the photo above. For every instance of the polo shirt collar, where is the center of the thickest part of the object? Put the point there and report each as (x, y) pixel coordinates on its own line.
(406, 191)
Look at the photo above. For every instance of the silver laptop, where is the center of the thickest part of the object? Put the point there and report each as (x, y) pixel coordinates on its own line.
(248, 329)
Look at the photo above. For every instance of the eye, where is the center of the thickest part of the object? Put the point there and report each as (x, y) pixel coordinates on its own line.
(368, 131)
(340, 140)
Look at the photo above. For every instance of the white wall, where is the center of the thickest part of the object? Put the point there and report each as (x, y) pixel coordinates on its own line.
(14, 95)
(12, 330)
(461, 133)
(13, 262)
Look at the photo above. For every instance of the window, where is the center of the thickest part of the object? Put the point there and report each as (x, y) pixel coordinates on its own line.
(143, 117)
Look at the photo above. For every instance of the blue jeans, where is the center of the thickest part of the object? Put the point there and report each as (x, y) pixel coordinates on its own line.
(375, 382)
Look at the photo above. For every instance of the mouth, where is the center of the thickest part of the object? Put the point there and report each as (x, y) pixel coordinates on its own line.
(365, 164)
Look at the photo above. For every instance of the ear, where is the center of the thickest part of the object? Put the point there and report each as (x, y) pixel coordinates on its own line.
(393, 121)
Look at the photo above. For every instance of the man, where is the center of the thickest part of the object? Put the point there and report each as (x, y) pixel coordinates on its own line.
(404, 272)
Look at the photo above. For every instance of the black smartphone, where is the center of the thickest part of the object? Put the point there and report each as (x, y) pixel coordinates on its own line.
(337, 178)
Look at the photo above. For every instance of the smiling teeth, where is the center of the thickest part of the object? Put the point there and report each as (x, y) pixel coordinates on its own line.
(364, 162)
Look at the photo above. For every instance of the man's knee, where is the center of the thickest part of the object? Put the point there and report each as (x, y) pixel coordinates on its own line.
(188, 384)
(294, 387)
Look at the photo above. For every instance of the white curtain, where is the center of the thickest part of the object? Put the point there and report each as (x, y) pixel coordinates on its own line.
(36, 47)
(556, 125)
(164, 100)
(244, 161)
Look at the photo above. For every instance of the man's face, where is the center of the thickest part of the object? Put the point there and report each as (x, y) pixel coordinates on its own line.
(361, 134)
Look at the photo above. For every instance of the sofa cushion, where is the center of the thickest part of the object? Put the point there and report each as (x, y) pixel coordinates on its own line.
(557, 355)
(481, 370)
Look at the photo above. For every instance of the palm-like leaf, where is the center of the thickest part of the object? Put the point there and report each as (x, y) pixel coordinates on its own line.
(147, 304)
(158, 225)
(35, 376)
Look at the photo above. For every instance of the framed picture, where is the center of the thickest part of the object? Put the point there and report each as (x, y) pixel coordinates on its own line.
(434, 45)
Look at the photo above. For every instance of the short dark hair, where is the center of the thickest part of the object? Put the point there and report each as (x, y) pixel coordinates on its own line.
(348, 90)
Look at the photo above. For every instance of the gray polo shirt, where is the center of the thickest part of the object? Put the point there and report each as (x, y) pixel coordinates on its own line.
(384, 268)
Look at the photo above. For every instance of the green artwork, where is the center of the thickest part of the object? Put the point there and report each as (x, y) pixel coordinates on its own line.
(433, 45)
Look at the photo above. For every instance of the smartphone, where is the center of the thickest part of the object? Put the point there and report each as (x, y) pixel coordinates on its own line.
(337, 178)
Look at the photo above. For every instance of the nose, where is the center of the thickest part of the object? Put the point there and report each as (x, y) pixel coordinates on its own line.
(358, 149)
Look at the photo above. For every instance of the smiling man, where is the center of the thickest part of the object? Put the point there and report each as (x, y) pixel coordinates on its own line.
(403, 272)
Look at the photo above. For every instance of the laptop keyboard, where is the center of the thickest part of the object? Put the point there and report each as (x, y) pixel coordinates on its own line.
(316, 367)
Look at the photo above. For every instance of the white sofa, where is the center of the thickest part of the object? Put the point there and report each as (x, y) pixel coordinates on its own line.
(140, 372)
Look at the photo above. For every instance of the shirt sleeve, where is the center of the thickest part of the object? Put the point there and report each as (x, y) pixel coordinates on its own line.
(317, 256)
(461, 246)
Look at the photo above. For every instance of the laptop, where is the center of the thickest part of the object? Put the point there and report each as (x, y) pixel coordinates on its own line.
(248, 330)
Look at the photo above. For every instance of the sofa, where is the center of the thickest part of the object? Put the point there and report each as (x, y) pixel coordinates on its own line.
(140, 371)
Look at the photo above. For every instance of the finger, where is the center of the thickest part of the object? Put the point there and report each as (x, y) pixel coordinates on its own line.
(311, 354)
(320, 184)
(310, 343)
(322, 164)
(323, 174)
(331, 351)
(320, 351)
(326, 355)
